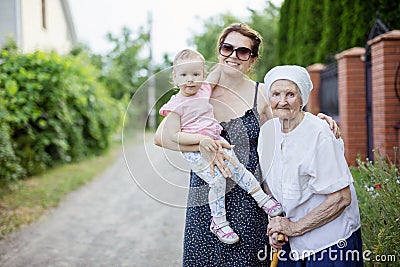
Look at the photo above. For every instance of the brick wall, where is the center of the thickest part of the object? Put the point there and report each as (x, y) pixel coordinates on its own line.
(313, 100)
(352, 103)
(385, 53)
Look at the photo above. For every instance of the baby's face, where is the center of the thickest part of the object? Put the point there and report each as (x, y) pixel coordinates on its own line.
(189, 75)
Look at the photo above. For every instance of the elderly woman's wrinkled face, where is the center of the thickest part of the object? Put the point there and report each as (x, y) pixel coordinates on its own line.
(285, 99)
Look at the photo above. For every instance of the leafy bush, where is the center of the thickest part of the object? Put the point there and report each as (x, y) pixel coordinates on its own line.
(52, 111)
(10, 164)
(378, 191)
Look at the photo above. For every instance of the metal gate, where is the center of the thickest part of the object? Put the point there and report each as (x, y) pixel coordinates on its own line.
(329, 91)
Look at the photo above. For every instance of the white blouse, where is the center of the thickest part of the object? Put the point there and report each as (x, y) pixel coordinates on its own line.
(300, 168)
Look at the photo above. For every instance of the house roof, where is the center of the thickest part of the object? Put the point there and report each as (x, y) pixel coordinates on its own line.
(69, 20)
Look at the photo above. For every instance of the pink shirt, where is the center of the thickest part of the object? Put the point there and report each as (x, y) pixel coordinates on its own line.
(196, 112)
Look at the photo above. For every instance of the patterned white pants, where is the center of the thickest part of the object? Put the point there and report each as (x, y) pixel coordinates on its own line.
(216, 196)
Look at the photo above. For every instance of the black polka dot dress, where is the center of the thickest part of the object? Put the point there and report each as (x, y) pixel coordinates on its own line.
(201, 247)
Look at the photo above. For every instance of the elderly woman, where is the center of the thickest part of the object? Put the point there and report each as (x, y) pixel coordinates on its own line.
(304, 166)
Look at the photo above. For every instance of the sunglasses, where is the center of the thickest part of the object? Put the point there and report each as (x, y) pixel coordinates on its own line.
(242, 53)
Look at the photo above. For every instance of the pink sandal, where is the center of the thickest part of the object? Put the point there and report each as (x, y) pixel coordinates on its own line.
(271, 206)
(224, 232)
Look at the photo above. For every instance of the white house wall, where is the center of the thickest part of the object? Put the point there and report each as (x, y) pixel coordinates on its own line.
(9, 22)
(34, 36)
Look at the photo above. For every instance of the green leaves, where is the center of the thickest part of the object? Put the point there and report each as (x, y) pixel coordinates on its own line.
(127, 62)
(11, 87)
(378, 190)
(52, 111)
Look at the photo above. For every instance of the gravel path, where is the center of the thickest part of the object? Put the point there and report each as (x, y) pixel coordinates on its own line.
(111, 221)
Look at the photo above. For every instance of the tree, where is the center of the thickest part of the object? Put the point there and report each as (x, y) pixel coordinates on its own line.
(289, 56)
(312, 31)
(126, 66)
(309, 31)
(282, 40)
(388, 11)
(329, 44)
(266, 23)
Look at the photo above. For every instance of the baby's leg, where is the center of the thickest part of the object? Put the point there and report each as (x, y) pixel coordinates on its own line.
(216, 197)
(217, 184)
(240, 175)
(246, 180)
(219, 224)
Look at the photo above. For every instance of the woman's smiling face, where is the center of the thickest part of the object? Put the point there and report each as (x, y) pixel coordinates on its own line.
(232, 62)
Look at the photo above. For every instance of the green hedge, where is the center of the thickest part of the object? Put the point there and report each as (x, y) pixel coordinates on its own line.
(313, 31)
(52, 111)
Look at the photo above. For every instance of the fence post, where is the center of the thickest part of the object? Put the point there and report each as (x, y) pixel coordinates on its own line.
(385, 54)
(313, 105)
(352, 107)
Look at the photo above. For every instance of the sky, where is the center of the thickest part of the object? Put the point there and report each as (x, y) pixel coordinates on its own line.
(174, 21)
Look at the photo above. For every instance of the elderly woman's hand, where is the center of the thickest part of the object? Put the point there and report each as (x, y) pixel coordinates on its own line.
(275, 243)
(280, 225)
(218, 158)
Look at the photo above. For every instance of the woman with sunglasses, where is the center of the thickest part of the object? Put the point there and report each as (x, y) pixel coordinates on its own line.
(240, 106)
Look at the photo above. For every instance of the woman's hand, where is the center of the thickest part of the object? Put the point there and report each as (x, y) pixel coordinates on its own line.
(332, 124)
(214, 76)
(218, 158)
(208, 144)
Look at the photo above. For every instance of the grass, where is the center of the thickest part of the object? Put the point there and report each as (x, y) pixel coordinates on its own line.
(25, 201)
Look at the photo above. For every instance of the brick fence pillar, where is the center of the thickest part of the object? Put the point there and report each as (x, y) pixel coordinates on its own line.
(313, 105)
(385, 55)
(352, 103)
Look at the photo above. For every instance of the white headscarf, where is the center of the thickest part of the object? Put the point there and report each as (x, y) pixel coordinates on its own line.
(294, 73)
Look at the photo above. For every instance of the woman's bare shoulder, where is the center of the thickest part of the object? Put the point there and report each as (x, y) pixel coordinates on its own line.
(263, 106)
(262, 96)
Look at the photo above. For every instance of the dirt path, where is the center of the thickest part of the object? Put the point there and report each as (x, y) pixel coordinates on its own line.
(111, 221)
